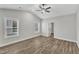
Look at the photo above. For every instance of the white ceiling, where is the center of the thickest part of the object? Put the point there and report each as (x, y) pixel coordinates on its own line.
(57, 9)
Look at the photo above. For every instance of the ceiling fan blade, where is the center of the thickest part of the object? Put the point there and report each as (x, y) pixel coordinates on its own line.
(48, 11)
(40, 7)
(48, 7)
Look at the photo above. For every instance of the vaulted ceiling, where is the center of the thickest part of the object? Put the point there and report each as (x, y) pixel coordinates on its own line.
(56, 10)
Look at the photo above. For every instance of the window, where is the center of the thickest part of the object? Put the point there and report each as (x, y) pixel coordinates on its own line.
(11, 27)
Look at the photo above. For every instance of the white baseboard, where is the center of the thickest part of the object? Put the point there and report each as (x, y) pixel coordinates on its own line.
(64, 39)
(19, 40)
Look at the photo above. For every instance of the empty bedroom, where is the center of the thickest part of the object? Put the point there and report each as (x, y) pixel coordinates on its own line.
(39, 28)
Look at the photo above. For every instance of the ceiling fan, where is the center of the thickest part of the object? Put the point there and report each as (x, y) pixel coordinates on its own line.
(44, 8)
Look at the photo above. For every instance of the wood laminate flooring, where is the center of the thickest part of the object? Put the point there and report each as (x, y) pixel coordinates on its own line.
(41, 45)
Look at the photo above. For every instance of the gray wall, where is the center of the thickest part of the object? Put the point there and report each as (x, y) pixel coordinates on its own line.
(77, 27)
(26, 26)
(65, 26)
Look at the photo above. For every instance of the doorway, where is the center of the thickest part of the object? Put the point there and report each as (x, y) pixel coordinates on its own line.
(52, 29)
